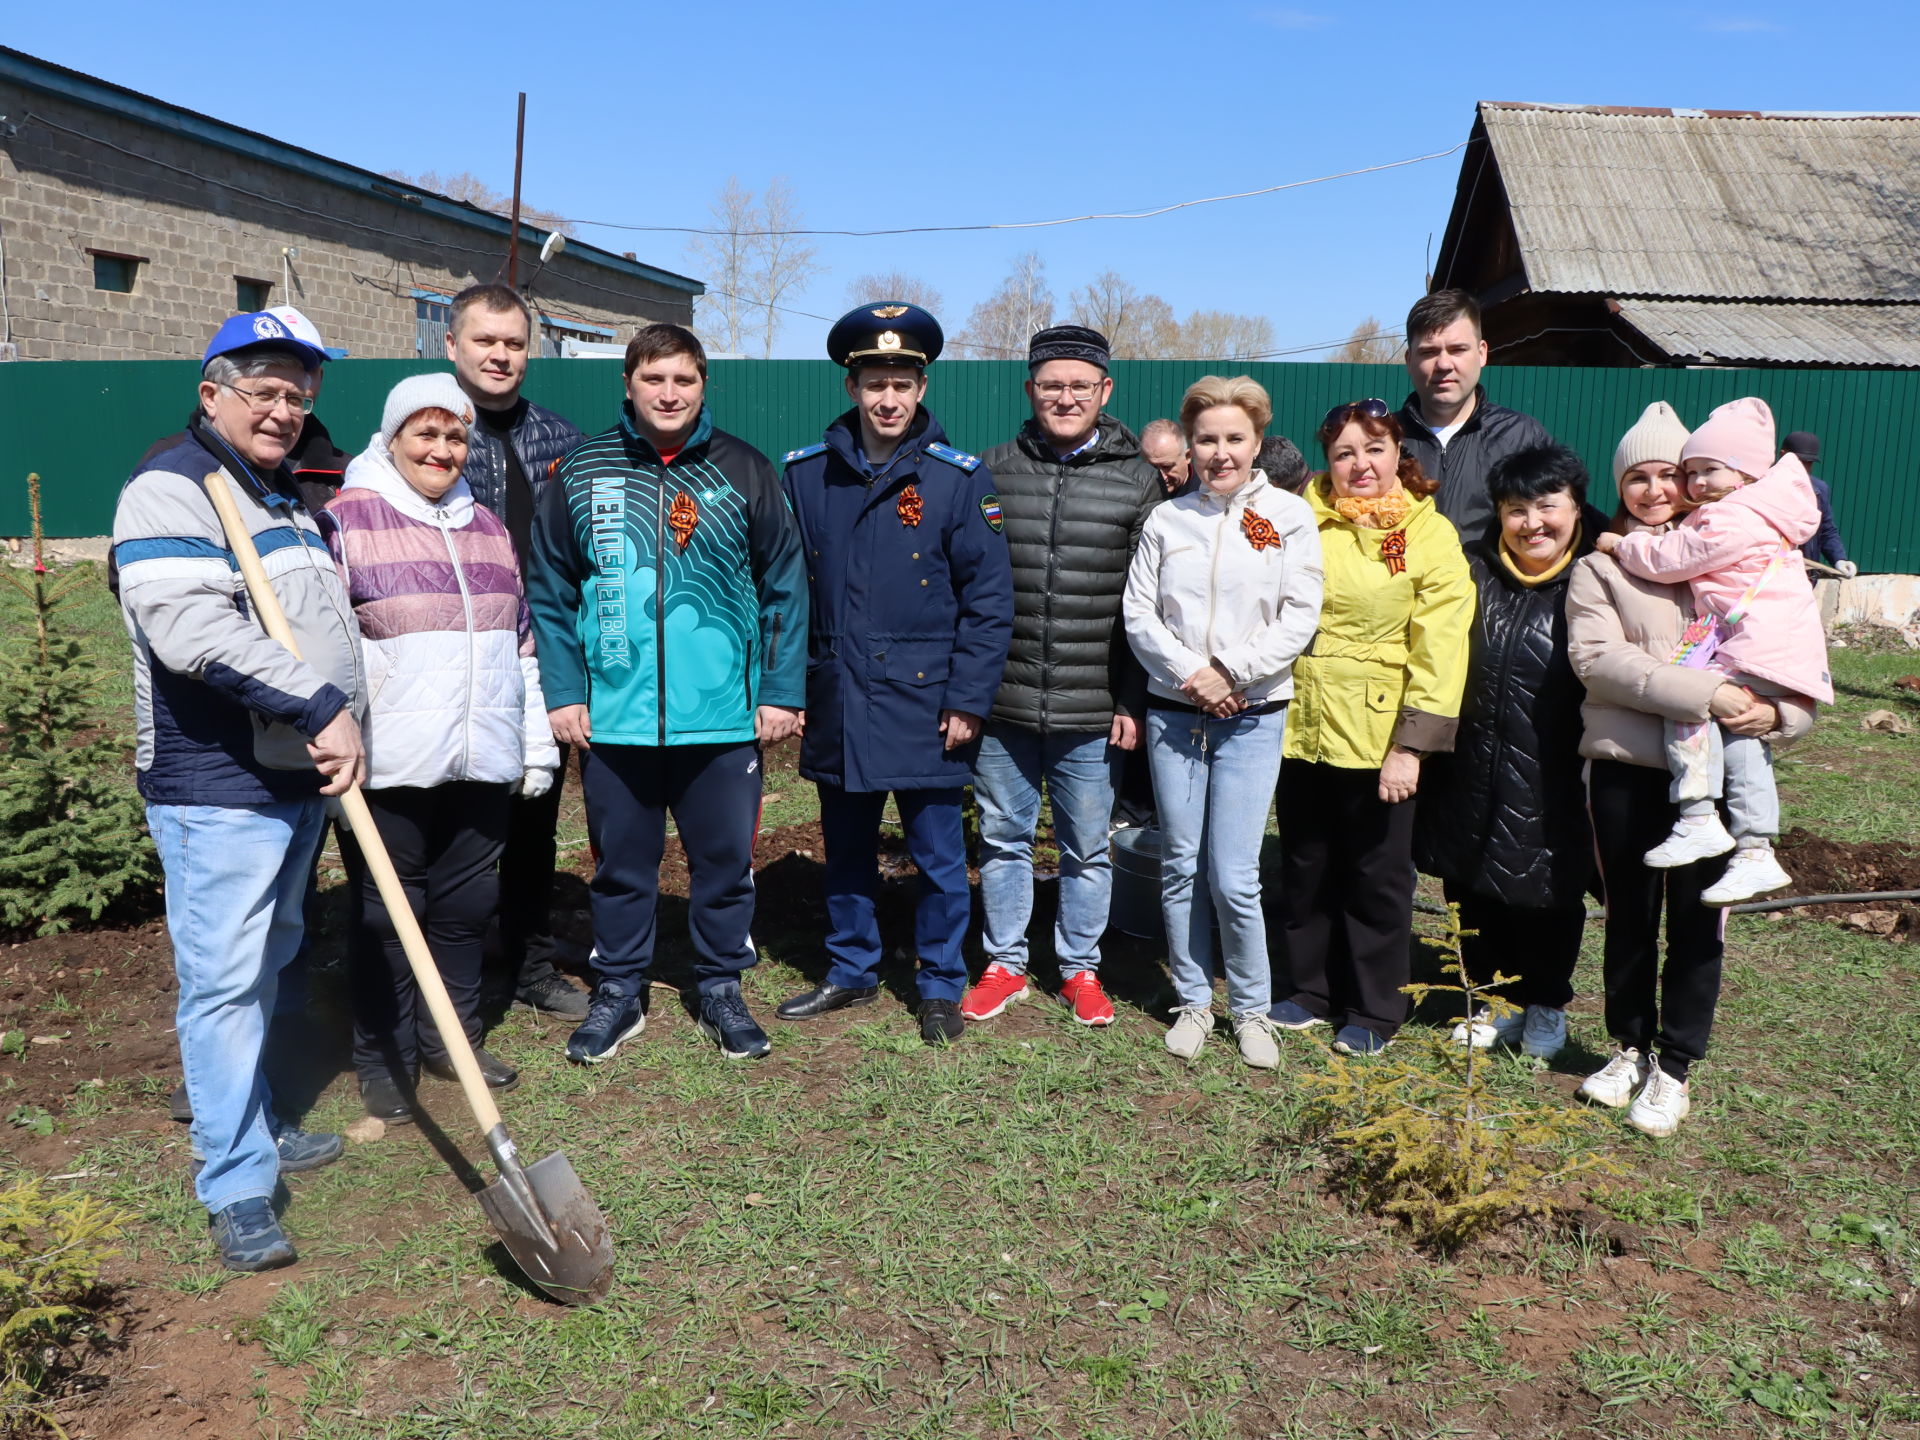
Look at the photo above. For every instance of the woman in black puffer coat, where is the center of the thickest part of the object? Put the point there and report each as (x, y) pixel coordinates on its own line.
(1502, 821)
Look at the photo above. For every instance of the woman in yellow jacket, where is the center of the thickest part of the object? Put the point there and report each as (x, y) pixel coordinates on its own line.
(1378, 690)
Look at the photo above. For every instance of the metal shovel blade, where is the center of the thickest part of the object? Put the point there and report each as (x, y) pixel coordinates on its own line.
(562, 1246)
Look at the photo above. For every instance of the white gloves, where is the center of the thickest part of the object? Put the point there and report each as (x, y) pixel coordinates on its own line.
(535, 782)
(1847, 569)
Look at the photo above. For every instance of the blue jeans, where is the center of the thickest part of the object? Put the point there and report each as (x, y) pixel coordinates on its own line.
(236, 888)
(1213, 781)
(1080, 772)
(850, 826)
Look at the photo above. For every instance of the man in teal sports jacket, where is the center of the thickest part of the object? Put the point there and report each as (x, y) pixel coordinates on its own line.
(669, 600)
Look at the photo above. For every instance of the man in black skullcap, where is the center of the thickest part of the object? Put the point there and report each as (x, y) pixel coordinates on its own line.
(912, 606)
(1076, 491)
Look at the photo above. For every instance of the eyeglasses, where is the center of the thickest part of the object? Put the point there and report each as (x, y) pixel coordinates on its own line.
(1341, 413)
(263, 401)
(1054, 389)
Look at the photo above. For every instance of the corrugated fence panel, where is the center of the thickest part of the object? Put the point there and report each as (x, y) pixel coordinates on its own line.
(84, 424)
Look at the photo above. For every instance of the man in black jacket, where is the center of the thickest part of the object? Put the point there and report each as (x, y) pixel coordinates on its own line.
(1452, 429)
(512, 449)
(1076, 492)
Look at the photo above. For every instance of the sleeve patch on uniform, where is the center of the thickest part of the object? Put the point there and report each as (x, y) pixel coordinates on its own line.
(991, 512)
(952, 456)
(803, 452)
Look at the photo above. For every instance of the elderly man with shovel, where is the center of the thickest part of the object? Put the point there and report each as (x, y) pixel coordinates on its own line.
(238, 740)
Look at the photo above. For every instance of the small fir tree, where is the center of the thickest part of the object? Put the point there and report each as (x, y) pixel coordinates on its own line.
(1432, 1144)
(72, 833)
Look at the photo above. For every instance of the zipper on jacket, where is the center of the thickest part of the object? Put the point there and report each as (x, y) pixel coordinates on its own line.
(660, 602)
(466, 605)
(1053, 564)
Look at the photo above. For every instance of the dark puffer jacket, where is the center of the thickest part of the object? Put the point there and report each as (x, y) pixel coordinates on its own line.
(1506, 813)
(540, 437)
(1071, 528)
(1491, 432)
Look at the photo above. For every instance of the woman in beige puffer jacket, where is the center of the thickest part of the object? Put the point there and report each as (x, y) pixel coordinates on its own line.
(1621, 631)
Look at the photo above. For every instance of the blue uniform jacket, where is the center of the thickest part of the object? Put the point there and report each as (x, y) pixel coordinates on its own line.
(907, 619)
(1826, 547)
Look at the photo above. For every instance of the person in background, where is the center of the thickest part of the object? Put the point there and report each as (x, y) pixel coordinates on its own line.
(455, 728)
(1451, 427)
(511, 451)
(1222, 597)
(1163, 444)
(912, 613)
(237, 742)
(668, 595)
(1377, 694)
(1282, 463)
(1075, 492)
(1826, 547)
(1502, 820)
(1621, 634)
(319, 466)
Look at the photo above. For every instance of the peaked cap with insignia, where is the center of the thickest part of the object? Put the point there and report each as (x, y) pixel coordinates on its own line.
(885, 332)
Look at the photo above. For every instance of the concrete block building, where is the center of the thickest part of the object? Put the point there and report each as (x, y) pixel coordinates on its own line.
(130, 227)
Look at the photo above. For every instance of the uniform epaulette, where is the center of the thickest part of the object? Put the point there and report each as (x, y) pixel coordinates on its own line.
(952, 456)
(803, 452)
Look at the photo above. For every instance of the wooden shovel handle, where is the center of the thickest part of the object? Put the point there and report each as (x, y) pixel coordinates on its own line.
(426, 974)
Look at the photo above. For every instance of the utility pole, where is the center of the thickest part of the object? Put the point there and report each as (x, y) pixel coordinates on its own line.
(513, 234)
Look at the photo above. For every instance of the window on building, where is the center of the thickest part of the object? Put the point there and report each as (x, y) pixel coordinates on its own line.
(115, 272)
(553, 331)
(431, 316)
(251, 294)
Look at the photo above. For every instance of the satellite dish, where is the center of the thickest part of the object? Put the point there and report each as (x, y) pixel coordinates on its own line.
(555, 244)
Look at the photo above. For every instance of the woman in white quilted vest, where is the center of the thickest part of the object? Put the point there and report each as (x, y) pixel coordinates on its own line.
(456, 725)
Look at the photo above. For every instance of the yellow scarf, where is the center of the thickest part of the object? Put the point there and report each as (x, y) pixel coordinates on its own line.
(1566, 559)
(1379, 512)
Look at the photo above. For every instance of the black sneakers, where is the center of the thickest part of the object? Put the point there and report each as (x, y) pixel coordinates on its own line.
(612, 1016)
(552, 995)
(727, 1022)
(941, 1022)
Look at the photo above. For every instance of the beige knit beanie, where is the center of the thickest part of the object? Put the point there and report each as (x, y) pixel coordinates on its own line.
(1656, 435)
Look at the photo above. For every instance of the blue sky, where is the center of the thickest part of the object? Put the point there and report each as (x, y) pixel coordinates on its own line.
(914, 114)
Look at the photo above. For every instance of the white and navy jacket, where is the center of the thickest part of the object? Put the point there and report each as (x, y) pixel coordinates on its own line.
(223, 710)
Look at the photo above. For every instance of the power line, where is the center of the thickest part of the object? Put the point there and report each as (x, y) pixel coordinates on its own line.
(1038, 224)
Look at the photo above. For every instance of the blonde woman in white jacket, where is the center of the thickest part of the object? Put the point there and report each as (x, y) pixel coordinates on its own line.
(456, 724)
(1222, 597)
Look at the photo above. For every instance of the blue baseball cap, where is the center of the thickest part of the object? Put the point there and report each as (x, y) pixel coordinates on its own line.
(262, 330)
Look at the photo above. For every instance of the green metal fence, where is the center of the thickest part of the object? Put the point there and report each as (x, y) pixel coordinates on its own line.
(83, 424)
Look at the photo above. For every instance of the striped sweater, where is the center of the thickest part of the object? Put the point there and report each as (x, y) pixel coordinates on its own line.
(453, 686)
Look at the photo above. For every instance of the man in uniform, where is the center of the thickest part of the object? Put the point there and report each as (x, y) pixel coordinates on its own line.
(911, 615)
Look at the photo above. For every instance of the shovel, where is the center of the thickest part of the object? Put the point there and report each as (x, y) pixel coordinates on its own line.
(541, 1211)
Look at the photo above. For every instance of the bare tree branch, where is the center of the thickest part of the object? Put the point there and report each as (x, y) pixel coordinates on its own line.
(999, 327)
(894, 285)
(472, 190)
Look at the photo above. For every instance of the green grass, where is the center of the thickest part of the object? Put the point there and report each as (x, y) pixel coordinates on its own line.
(1049, 1231)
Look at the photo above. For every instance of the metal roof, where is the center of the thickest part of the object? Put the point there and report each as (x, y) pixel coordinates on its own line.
(1705, 331)
(1712, 204)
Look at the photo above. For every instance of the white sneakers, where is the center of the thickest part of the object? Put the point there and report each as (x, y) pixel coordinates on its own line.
(1192, 1024)
(1539, 1030)
(1613, 1084)
(1254, 1033)
(1752, 871)
(1661, 1104)
(1483, 1032)
(1696, 837)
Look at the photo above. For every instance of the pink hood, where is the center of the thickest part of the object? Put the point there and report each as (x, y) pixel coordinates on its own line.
(1722, 548)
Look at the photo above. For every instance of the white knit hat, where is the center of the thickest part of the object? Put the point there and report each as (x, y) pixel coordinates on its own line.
(1657, 435)
(423, 392)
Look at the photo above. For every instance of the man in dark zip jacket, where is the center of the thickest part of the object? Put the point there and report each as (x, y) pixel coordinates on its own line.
(1451, 428)
(669, 600)
(512, 448)
(912, 609)
(1076, 491)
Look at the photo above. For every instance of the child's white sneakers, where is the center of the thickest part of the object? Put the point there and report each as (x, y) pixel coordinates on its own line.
(1613, 1084)
(1752, 871)
(1661, 1104)
(1696, 837)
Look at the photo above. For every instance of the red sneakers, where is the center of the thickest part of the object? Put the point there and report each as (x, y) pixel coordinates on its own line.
(998, 988)
(1089, 1001)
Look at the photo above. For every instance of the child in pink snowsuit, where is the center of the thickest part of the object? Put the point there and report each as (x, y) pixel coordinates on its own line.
(1738, 551)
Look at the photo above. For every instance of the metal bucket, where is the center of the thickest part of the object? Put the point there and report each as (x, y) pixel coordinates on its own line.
(1136, 884)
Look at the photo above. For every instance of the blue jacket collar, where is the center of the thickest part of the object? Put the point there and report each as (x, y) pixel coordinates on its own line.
(843, 438)
(630, 428)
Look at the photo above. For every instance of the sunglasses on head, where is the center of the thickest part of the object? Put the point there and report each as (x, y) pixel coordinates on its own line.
(1347, 410)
